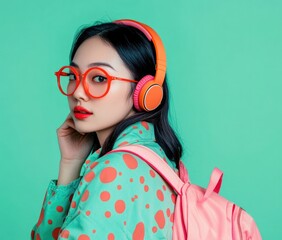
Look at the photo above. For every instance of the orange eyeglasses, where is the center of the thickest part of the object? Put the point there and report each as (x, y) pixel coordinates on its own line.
(96, 81)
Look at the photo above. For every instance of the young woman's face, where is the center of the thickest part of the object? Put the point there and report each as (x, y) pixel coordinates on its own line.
(109, 110)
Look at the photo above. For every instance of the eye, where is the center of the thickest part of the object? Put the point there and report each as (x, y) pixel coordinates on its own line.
(71, 76)
(99, 79)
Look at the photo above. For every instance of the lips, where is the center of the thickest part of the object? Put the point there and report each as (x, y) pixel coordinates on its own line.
(81, 112)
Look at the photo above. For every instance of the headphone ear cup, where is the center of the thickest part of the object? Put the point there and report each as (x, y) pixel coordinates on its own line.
(138, 89)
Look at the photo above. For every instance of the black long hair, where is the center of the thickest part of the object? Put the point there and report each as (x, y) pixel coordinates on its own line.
(138, 54)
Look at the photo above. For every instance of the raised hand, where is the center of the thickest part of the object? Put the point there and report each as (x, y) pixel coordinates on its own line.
(74, 147)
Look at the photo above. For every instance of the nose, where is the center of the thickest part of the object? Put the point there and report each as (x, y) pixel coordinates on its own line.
(80, 93)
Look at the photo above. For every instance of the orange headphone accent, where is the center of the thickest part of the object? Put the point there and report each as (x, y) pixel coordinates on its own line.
(148, 93)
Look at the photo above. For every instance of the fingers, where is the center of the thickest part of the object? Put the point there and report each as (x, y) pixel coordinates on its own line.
(69, 123)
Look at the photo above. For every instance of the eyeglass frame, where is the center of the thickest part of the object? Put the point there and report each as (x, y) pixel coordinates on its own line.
(82, 77)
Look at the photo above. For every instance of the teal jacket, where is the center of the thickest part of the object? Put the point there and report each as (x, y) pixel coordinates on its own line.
(117, 196)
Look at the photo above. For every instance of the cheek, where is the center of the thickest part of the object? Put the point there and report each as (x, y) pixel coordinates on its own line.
(72, 102)
(117, 100)
(120, 90)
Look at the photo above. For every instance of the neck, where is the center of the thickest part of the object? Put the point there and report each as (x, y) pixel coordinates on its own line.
(104, 134)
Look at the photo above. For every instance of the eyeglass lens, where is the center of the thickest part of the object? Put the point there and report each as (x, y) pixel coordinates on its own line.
(96, 80)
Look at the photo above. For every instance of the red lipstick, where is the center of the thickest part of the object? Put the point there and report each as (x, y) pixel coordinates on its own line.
(81, 112)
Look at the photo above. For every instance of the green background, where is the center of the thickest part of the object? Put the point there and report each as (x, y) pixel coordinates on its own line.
(224, 72)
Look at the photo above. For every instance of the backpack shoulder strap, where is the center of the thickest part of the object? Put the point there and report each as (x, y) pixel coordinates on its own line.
(155, 161)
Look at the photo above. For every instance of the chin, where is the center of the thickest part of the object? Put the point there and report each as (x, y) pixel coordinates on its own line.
(84, 127)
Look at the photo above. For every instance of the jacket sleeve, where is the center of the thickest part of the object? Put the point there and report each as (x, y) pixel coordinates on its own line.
(54, 209)
(120, 198)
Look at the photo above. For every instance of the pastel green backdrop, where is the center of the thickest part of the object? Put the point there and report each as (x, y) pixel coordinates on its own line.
(224, 71)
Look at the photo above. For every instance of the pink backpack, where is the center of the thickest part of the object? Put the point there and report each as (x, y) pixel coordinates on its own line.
(199, 214)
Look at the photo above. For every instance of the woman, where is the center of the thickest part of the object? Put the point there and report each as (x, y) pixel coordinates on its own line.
(116, 195)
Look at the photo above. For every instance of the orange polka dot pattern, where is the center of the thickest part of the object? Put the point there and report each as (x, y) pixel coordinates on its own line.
(117, 196)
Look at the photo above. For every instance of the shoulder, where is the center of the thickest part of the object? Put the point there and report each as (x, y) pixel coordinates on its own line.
(116, 164)
(129, 161)
(121, 169)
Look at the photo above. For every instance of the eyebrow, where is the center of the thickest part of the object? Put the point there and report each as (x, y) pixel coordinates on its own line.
(94, 64)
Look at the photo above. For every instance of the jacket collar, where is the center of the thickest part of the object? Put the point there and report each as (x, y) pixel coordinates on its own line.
(137, 133)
